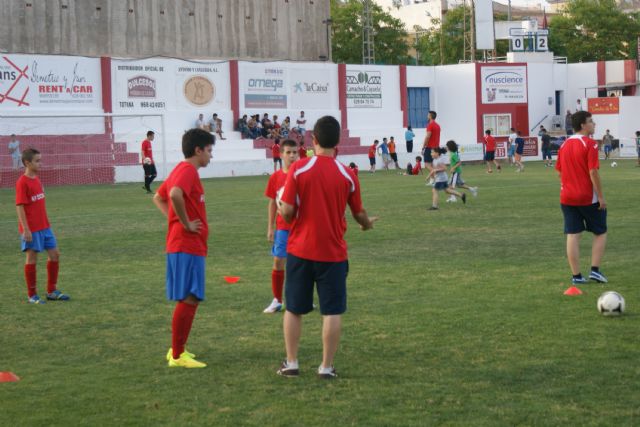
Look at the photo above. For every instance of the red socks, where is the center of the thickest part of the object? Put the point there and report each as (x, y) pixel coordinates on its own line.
(181, 327)
(30, 278)
(277, 283)
(52, 275)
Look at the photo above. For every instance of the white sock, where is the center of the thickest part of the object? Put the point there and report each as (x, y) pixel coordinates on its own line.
(323, 370)
(292, 365)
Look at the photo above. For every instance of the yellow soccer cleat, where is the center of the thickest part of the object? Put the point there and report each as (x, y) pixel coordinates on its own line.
(185, 362)
(170, 354)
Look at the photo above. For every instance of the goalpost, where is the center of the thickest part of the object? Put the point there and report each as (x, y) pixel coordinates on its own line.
(83, 148)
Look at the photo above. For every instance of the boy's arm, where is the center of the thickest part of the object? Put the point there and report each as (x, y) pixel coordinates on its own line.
(597, 185)
(271, 214)
(455, 166)
(176, 195)
(366, 222)
(286, 211)
(22, 218)
(161, 204)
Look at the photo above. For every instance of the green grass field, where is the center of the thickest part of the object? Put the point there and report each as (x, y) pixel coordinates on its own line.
(456, 317)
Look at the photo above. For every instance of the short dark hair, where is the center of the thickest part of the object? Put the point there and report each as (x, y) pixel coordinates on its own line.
(352, 165)
(433, 114)
(578, 119)
(196, 138)
(276, 141)
(288, 143)
(488, 131)
(452, 146)
(518, 133)
(150, 133)
(375, 141)
(638, 133)
(28, 155)
(418, 158)
(327, 132)
(440, 150)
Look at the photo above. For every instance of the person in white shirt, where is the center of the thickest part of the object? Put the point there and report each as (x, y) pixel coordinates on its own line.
(511, 149)
(14, 150)
(578, 105)
(200, 122)
(302, 123)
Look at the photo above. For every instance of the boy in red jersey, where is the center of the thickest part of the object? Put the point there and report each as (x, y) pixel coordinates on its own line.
(277, 228)
(581, 198)
(302, 152)
(181, 199)
(490, 151)
(35, 231)
(431, 140)
(148, 164)
(316, 194)
(373, 149)
(275, 151)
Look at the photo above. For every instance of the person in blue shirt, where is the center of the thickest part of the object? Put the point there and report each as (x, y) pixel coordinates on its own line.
(408, 136)
(383, 150)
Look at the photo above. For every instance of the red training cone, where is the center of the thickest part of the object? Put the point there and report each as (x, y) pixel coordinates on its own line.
(231, 279)
(8, 377)
(573, 291)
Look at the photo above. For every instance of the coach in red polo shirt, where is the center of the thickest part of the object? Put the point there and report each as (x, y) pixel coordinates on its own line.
(581, 197)
(316, 194)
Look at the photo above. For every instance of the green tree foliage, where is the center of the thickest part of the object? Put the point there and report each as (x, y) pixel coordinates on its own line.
(450, 41)
(592, 30)
(390, 39)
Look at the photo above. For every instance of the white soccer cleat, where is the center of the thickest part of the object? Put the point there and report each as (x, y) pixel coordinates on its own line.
(452, 199)
(474, 191)
(274, 307)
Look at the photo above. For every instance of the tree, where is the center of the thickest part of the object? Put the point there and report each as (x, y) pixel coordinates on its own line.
(450, 41)
(594, 30)
(390, 38)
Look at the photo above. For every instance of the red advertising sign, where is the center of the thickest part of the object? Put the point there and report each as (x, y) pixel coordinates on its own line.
(603, 105)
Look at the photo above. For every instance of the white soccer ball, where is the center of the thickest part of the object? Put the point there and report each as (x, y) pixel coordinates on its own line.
(614, 164)
(146, 161)
(611, 304)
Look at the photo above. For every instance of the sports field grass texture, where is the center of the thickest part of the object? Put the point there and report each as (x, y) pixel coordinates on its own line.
(456, 317)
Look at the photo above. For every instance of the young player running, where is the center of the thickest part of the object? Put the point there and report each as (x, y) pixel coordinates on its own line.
(277, 228)
(455, 168)
(316, 193)
(439, 174)
(181, 199)
(35, 230)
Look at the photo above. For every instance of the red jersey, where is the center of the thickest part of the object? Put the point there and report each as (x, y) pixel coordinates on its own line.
(576, 157)
(179, 239)
(372, 151)
(274, 190)
(434, 139)
(275, 150)
(146, 150)
(302, 153)
(30, 194)
(416, 169)
(355, 170)
(320, 187)
(490, 143)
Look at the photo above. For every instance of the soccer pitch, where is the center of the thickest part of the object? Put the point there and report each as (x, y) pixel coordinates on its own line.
(455, 317)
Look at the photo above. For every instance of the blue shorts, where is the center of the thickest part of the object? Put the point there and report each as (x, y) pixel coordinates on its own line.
(546, 154)
(512, 151)
(580, 218)
(441, 185)
(607, 149)
(279, 248)
(330, 278)
(41, 240)
(185, 276)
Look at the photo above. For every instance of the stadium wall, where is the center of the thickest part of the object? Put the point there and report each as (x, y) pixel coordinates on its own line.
(247, 29)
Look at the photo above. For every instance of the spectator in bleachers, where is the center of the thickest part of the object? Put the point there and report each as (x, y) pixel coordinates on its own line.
(200, 123)
(267, 126)
(217, 127)
(301, 124)
(285, 127)
(14, 150)
(243, 127)
(275, 131)
(252, 125)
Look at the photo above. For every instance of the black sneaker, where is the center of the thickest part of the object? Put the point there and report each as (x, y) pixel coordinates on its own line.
(432, 208)
(328, 375)
(286, 371)
(464, 198)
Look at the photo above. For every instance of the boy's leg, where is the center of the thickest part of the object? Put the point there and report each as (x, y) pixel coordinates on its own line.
(30, 272)
(53, 265)
(183, 316)
(597, 249)
(292, 326)
(434, 198)
(573, 252)
(331, 329)
(277, 277)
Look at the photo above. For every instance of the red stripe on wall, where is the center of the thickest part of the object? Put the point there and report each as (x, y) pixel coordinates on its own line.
(601, 69)
(403, 96)
(630, 76)
(234, 80)
(342, 95)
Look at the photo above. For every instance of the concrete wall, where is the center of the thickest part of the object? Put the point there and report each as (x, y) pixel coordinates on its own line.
(247, 29)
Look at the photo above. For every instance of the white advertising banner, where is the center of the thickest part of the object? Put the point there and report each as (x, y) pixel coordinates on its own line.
(364, 88)
(158, 84)
(46, 82)
(313, 87)
(504, 85)
(484, 24)
(264, 86)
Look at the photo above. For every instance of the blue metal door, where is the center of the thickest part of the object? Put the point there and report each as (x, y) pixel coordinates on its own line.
(418, 99)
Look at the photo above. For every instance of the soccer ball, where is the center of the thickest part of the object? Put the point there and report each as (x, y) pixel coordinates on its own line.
(147, 161)
(614, 164)
(611, 304)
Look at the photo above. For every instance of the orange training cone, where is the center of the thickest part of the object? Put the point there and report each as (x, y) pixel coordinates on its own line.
(8, 377)
(573, 291)
(231, 279)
